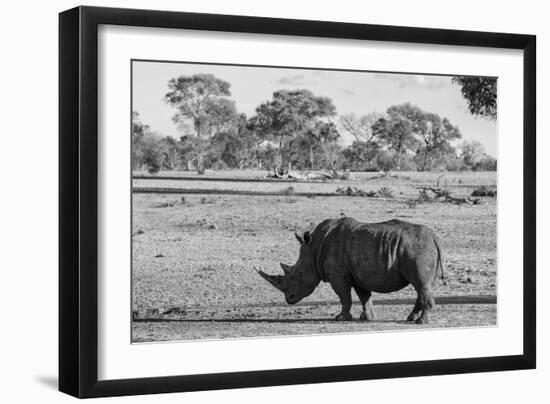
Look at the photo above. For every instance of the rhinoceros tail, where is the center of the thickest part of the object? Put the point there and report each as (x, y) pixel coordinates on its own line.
(439, 260)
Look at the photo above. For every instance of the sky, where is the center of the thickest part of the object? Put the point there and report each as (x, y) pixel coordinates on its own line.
(351, 92)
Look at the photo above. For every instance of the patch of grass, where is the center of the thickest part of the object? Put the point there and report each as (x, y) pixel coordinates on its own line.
(288, 190)
(168, 204)
(385, 192)
(412, 203)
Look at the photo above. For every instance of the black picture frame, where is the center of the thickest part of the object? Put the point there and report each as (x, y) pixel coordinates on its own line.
(78, 201)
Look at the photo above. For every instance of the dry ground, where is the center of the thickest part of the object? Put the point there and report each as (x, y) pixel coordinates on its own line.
(193, 260)
(404, 185)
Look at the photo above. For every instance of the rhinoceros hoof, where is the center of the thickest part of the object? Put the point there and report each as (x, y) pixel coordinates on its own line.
(344, 317)
(413, 316)
(422, 320)
(366, 317)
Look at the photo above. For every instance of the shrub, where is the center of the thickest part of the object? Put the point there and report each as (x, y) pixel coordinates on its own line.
(454, 164)
(488, 163)
(407, 163)
(288, 191)
(484, 191)
(385, 192)
(354, 191)
(153, 167)
(412, 203)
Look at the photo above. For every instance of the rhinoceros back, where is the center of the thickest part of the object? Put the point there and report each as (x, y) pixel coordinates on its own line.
(381, 257)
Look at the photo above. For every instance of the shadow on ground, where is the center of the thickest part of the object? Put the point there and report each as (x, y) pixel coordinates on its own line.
(48, 381)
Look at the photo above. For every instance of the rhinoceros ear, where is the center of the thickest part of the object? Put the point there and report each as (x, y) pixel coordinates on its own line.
(307, 237)
(299, 238)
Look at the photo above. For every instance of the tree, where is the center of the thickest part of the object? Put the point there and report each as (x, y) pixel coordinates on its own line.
(385, 160)
(267, 155)
(487, 163)
(154, 152)
(361, 129)
(331, 154)
(359, 156)
(139, 130)
(327, 135)
(436, 133)
(471, 152)
(474, 157)
(148, 148)
(171, 153)
(290, 114)
(400, 129)
(320, 139)
(236, 148)
(186, 151)
(201, 99)
(480, 93)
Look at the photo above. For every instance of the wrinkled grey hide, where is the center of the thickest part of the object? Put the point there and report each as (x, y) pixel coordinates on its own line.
(368, 257)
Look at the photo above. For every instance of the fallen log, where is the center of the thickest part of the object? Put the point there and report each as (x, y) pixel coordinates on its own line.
(447, 197)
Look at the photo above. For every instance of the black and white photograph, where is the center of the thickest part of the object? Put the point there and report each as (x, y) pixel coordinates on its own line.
(275, 201)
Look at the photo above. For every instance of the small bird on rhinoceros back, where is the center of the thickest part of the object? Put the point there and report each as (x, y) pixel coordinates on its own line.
(368, 257)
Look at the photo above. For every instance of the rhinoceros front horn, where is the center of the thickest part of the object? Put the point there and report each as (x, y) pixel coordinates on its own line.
(275, 280)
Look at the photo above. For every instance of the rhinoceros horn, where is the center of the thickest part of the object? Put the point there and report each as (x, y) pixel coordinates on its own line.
(275, 280)
(286, 268)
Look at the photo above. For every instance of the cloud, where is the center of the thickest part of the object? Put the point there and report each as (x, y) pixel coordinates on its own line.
(433, 83)
(295, 80)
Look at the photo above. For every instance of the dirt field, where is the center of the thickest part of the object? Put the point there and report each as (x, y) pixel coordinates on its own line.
(193, 259)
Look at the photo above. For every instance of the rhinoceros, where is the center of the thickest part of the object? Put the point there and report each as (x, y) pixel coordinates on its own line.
(368, 257)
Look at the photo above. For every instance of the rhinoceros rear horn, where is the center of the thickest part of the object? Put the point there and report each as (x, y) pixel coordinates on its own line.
(275, 280)
(286, 268)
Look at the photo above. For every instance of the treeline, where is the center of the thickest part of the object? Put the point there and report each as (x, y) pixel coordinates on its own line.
(298, 128)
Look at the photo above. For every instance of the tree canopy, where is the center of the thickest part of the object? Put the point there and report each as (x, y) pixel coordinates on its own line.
(360, 127)
(436, 134)
(299, 128)
(288, 114)
(400, 129)
(201, 99)
(480, 94)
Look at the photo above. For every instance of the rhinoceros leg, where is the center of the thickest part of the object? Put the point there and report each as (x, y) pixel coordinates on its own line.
(416, 311)
(343, 290)
(427, 303)
(366, 302)
(420, 273)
